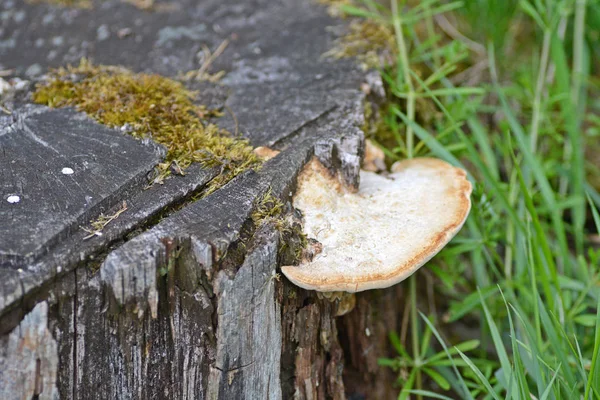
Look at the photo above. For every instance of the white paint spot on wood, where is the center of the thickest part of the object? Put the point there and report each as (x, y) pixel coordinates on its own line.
(13, 199)
(67, 171)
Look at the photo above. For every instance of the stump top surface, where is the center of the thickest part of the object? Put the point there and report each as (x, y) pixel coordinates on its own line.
(58, 168)
(278, 90)
(276, 78)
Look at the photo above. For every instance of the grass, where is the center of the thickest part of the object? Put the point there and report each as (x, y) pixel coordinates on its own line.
(148, 105)
(508, 90)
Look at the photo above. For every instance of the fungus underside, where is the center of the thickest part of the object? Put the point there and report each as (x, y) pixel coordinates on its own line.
(150, 106)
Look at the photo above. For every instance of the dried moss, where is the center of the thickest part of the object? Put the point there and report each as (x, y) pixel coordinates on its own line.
(97, 225)
(141, 4)
(147, 5)
(147, 105)
(65, 3)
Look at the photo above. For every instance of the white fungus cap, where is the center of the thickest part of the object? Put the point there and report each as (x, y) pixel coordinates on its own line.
(382, 234)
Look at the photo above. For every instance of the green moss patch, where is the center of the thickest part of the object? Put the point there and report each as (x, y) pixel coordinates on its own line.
(150, 106)
(292, 241)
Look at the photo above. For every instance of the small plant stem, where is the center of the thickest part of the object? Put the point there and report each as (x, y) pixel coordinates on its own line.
(539, 88)
(431, 33)
(578, 41)
(563, 184)
(510, 230)
(414, 319)
(574, 154)
(410, 97)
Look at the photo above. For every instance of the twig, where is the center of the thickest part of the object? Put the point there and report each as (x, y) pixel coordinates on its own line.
(469, 76)
(201, 74)
(99, 224)
(5, 110)
(235, 120)
(404, 325)
(454, 33)
(430, 293)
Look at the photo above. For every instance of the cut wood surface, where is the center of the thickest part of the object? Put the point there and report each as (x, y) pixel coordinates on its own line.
(180, 296)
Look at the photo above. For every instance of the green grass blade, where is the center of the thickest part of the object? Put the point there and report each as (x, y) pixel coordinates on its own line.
(436, 147)
(482, 139)
(548, 390)
(498, 343)
(534, 165)
(429, 394)
(479, 375)
(593, 376)
(595, 214)
(465, 390)
(576, 159)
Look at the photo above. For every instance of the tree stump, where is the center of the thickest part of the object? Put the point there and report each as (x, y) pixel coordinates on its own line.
(178, 298)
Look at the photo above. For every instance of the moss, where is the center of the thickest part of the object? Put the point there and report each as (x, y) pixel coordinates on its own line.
(150, 106)
(268, 207)
(334, 6)
(65, 3)
(141, 4)
(87, 4)
(335, 3)
(292, 241)
(368, 41)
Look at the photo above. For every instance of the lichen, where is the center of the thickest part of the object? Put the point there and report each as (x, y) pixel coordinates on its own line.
(150, 106)
(292, 241)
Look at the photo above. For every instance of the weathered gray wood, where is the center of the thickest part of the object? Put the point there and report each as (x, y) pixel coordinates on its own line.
(181, 298)
(65, 169)
(28, 362)
(248, 326)
(118, 351)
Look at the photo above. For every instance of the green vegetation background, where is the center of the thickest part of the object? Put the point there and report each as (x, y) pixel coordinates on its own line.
(508, 90)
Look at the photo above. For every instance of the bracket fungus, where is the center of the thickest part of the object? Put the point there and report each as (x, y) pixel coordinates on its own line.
(380, 235)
